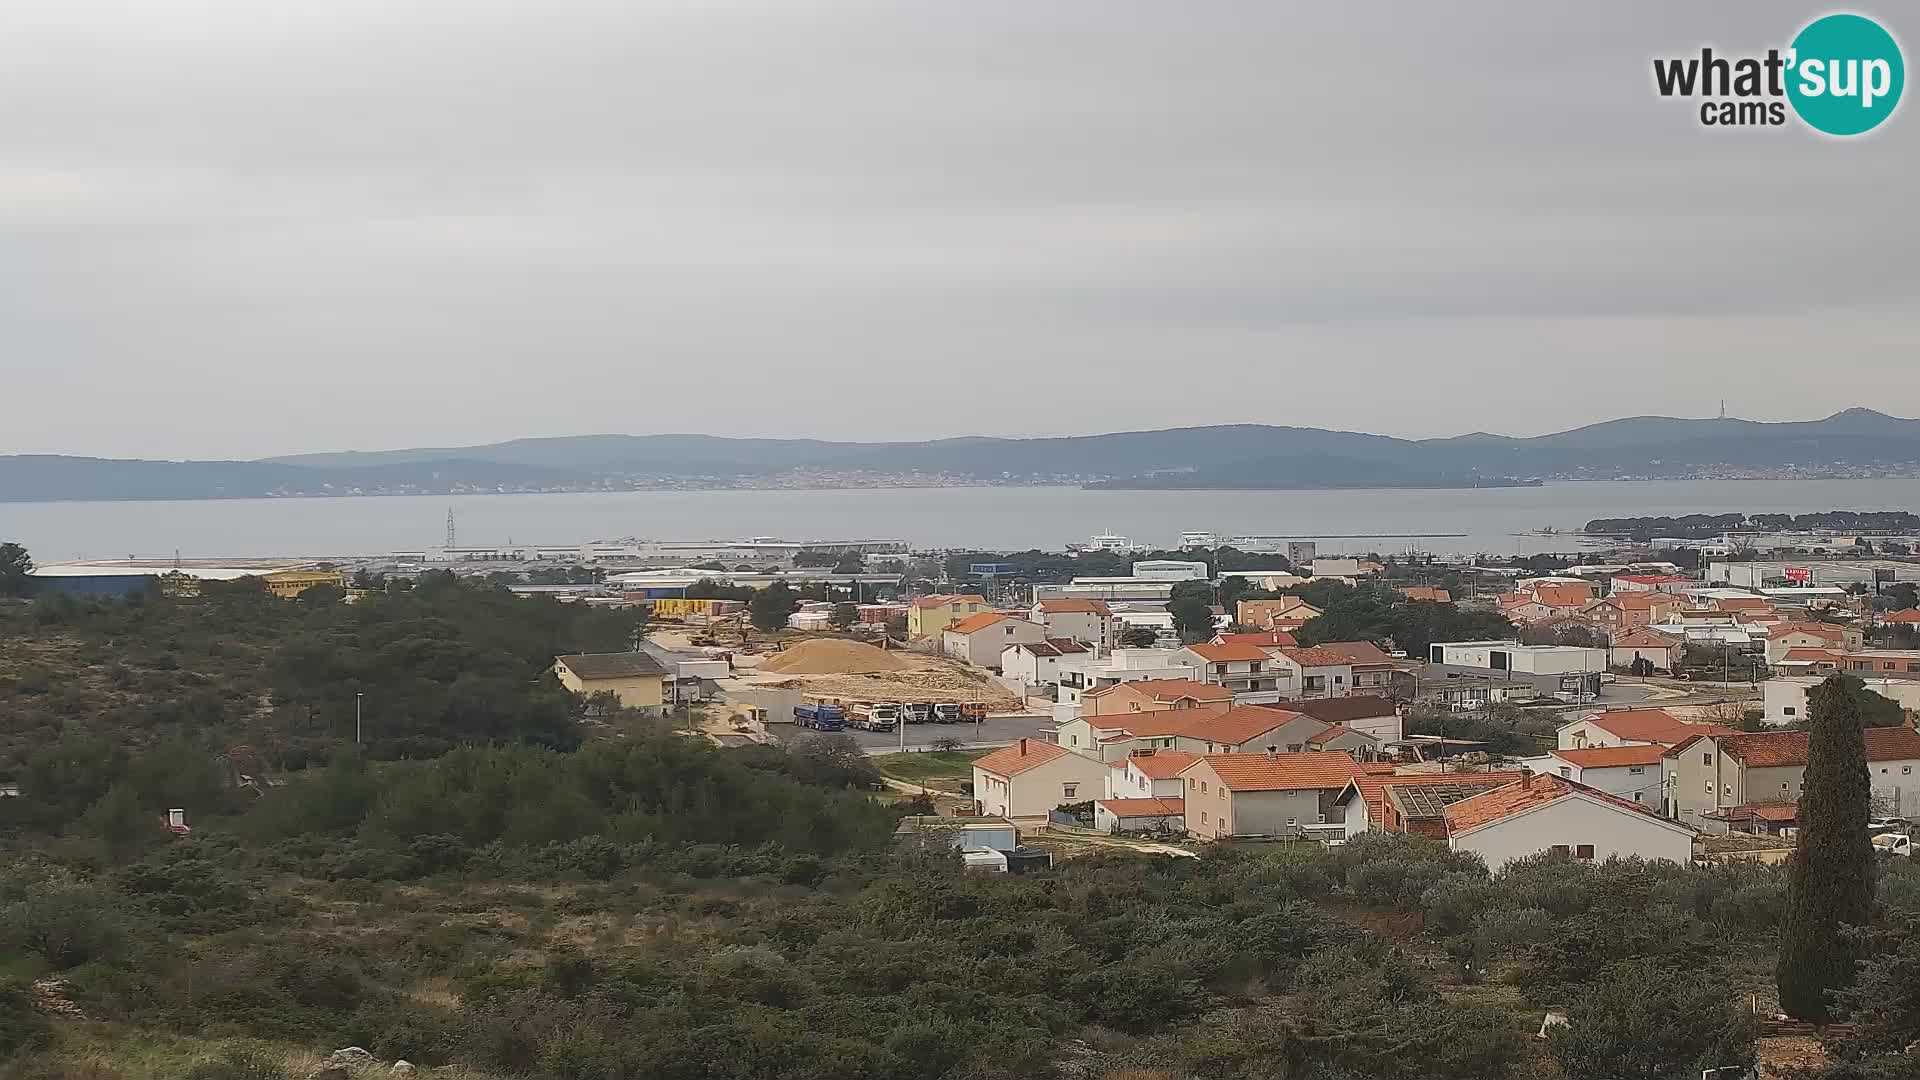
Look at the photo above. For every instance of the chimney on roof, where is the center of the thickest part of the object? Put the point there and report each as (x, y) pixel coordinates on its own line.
(1273, 753)
(1526, 777)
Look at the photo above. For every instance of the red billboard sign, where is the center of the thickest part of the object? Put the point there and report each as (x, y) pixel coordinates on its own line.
(1799, 574)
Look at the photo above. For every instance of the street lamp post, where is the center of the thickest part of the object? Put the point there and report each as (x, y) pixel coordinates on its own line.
(358, 695)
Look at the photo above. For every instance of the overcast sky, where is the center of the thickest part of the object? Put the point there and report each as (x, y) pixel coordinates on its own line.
(250, 227)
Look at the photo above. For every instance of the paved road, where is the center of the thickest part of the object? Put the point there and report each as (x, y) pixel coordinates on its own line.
(997, 731)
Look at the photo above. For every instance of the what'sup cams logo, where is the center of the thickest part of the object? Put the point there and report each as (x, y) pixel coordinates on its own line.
(1842, 75)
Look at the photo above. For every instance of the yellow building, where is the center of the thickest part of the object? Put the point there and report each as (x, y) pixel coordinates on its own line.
(635, 680)
(930, 616)
(289, 584)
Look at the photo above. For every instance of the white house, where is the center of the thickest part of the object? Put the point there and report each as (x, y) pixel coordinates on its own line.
(1090, 622)
(1645, 643)
(1037, 663)
(1520, 659)
(1634, 773)
(1551, 813)
(1784, 697)
(1087, 672)
(1323, 671)
(1247, 670)
(1149, 773)
(981, 639)
(1030, 778)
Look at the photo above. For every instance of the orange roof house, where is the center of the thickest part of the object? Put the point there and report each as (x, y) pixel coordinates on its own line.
(1263, 794)
(1030, 778)
(1412, 803)
(1613, 757)
(976, 622)
(1232, 652)
(1541, 812)
(1427, 593)
(1279, 772)
(1153, 695)
(1268, 639)
(1011, 761)
(1636, 726)
(1161, 764)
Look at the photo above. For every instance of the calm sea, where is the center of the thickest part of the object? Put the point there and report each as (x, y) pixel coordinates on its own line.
(1487, 520)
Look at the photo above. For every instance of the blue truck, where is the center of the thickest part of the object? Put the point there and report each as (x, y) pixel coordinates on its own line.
(820, 717)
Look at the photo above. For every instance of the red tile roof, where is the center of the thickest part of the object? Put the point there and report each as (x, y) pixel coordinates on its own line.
(1357, 652)
(1776, 749)
(1161, 807)
(1170, 690)
(975, 623)
(1317, 656)
(1785, 812)
(1334, 731)
(1324, 769)
(1426, 592)
(1268, 639)
(1528, 793)
(1609, 757)
(1011, 761)
(1152, 724)
(1236, 726)
(1161, 764)
(1566, 596)
(1652, 725)
(1743, 603)
(1373, 787)
(1908, 615)
(1630, 600)
(1820, 630)
(1808, 652)
(1229, 653)
(1075, 607)
(1643, 638)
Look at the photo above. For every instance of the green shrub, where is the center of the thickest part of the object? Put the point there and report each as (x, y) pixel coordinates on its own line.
(243, 1063)
(21, 1025)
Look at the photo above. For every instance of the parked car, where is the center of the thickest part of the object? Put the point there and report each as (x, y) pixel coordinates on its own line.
(1894, 843)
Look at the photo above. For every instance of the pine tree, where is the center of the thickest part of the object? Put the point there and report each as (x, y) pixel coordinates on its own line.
(1830, 884)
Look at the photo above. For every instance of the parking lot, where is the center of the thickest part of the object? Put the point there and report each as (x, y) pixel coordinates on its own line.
(995, 731)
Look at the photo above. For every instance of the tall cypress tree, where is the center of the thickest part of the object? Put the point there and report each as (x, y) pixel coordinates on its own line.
(1831, 881)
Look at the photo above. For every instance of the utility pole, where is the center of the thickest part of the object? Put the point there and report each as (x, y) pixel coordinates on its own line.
(356, 717)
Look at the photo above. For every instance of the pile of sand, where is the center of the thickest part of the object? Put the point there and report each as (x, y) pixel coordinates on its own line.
(832, 656)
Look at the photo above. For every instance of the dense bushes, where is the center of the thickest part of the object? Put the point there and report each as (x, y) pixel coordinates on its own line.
(446, 664)
(581, 810)
(655, 908)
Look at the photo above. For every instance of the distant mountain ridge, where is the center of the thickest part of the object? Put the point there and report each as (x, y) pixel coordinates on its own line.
(1855, 441)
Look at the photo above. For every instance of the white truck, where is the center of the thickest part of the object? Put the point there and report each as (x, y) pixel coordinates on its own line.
(1894, 843)
(877, 717)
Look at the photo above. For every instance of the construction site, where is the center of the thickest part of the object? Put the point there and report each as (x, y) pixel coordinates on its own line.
(856, 672)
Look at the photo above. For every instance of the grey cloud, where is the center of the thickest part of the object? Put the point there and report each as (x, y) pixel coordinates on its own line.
(234, 229)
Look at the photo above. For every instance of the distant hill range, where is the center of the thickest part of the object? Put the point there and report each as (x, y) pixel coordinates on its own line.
(1239, 456)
